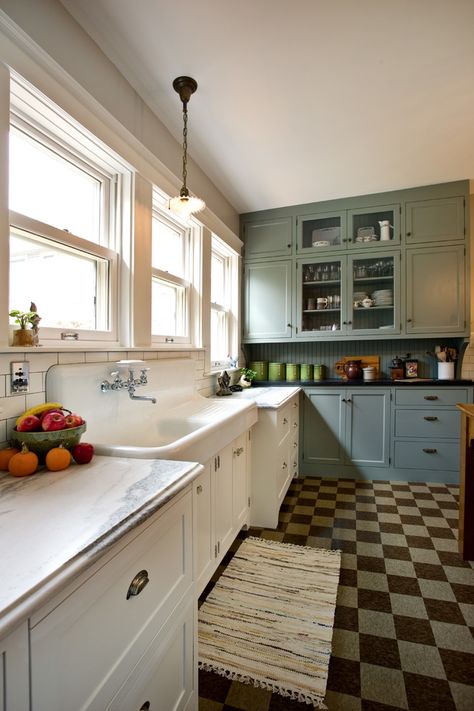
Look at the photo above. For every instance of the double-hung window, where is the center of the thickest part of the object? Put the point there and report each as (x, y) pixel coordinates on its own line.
(171, 262)
(224, 291)
(63, 200)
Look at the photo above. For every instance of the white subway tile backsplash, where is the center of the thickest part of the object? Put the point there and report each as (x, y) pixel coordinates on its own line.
(41, 361)
(96, 357)
(36, 382)
(71, 358)
(34, 399)
(114, 356)
(12, 406)
(150, 355)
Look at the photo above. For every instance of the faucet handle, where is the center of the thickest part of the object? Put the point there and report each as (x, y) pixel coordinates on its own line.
(143, 372)
(115, 374)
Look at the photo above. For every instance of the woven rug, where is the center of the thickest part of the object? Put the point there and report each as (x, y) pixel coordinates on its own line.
(268, 621)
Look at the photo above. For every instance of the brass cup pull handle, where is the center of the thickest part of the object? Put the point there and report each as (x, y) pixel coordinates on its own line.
(285, 421)
(199, 489)
(140, 580)
(430, 419)
(428, 450)
(145, 707)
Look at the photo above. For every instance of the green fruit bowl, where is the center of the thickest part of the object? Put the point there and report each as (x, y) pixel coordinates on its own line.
(41, 442)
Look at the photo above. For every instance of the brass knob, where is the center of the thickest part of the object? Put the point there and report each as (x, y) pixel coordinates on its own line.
(140, 580)
(199, 489)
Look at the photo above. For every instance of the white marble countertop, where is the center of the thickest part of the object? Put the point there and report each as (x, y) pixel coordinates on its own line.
(54, 524)
(268, 397)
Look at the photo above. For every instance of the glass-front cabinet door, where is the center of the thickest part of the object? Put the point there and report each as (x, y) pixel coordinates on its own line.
(320, 232)
(321, 295)
(372, 227)
(374, 295)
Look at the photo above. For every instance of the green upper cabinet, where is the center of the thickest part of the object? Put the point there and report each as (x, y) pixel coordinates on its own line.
(320, 232)
(436, 292)
(268, 238)
(374, 226)
(268, 300)
(439, 220)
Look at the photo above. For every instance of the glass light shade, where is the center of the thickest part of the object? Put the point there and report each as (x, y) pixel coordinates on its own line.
(186, 205)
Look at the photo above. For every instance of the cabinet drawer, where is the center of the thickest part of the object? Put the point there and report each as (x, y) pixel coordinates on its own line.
(427, 423)
(430, 397)
(284, 419)
(428, 454)
(98, 616)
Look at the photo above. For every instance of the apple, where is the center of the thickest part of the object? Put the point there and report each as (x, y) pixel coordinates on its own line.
(83, 452)
(47, 412)
(53, 421)
(30, 423)
(73, 420)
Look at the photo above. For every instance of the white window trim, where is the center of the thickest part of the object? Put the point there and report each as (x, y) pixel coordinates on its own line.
(231, 307)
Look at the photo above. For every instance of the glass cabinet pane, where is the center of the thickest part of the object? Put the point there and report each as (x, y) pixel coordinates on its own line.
(321, 232)
(374, 293)
(373, 227)
(321, 297)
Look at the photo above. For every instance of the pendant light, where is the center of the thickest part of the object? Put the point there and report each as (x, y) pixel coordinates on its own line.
(185, 204)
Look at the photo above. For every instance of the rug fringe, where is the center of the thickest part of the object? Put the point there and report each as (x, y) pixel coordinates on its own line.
(278, 544)
(315, 701)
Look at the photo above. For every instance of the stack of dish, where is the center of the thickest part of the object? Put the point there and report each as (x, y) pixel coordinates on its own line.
(383, 297)
(360, 295)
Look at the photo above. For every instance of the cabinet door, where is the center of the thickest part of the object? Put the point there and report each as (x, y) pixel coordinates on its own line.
(440, 220)
(435, 290)
(268, 238)
(367, 426)
(204, 538)
(320, 232)
(373, 226)
(14, 676)
(267, 304)
(374, 296)
(239, 481)
(223, 500)
(323, 426)
(321, 297)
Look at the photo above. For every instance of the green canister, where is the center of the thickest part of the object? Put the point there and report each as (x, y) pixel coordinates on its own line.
(306, 371)
(292, 371)
(318, 371)
(276, 371)
(260, 367)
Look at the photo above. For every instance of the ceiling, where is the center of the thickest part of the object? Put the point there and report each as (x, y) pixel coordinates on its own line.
(303, 100)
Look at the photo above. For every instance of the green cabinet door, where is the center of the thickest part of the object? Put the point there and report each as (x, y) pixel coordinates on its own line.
(435, 290)
(268, 238)
(323, 426)
(440, 220)
(367, 426)
(267, 301)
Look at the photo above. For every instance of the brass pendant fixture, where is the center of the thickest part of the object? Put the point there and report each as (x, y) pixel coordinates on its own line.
(185, 204)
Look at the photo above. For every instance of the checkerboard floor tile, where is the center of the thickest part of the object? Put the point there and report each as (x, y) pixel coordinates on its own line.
(404, 622)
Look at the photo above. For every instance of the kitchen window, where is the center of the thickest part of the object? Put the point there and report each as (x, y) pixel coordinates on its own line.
(224, 290)
(171, 263)
(64, 199)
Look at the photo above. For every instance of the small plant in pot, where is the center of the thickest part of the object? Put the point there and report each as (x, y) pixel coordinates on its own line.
(246, 377)
(27, 333)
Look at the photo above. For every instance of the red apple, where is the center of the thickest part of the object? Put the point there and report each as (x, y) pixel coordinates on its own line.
(73, 420)
(53, 421)
(83, 452)
(30, 423)
(47, 412)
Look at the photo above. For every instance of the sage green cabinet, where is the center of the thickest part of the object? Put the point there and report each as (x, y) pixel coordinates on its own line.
(365, 229)
(268, 294)
(320, 232)
(268, 238)
(435, 290)
(438, 220)
(347, 426)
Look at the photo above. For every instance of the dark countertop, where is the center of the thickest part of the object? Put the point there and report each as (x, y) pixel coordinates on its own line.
(382, 382)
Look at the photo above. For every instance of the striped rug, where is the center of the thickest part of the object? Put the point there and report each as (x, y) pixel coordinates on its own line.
(268, 621)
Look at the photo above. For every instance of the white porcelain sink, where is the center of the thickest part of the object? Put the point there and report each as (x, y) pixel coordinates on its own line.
(182, 425)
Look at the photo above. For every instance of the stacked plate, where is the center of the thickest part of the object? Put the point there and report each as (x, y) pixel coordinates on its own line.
(383, 297)
(360, 295)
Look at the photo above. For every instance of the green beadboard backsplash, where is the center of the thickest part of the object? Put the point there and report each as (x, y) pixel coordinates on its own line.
(329, 352)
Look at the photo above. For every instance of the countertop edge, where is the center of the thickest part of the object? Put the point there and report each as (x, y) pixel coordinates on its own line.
(36, 596)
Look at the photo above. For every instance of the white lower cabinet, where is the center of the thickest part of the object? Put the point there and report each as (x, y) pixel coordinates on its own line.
(221, 496)
(115, 628)
(14, 690)
(274, 460)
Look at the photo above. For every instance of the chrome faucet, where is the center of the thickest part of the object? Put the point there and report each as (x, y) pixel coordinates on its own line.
(130, 384)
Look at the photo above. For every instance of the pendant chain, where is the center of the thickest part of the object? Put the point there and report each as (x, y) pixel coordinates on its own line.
(185, 147)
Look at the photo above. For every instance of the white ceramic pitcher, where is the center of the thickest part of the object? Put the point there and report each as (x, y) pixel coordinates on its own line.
(384, 230)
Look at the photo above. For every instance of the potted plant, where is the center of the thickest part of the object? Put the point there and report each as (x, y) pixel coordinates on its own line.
(246, 377)
(27, 333)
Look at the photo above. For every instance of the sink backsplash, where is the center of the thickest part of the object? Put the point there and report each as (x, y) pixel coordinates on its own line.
(329, 352)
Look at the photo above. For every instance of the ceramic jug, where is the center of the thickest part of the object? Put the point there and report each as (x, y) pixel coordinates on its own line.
(384, 230)
(353, 369)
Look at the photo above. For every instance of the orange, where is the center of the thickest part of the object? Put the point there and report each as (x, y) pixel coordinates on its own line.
(58, 458)
(23, 463)
(5, 456)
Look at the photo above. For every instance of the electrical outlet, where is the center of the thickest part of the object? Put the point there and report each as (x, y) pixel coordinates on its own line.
(20, 377)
